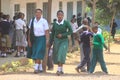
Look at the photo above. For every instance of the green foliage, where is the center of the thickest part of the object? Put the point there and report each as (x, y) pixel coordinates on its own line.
(106, 35)
(105, 9)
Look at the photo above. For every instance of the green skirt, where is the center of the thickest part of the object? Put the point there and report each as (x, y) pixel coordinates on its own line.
(60, 48)
(37, 51)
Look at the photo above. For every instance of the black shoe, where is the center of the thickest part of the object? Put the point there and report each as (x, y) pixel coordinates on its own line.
(58, 73)
(61, 72)
(77, 70)
(40, 71)
(50, 69)
(106, 72)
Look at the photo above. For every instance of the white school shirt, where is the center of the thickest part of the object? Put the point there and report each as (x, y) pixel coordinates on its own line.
(99, 31)
(19, 24)
(79, 28)
(74, 27)
(39, 26)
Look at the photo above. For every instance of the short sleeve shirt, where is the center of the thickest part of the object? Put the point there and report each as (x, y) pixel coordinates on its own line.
(19, 24)
(39, 26)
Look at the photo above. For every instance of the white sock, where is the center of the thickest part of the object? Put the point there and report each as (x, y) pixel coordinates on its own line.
(40, 67)
(59, 69)
(36, 66)
(25, 53)
(62, 69)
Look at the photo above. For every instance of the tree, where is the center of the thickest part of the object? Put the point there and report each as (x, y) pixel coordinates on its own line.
(108, 10)
(49, 22)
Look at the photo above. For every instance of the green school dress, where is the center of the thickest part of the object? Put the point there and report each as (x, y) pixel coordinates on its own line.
(60, 45)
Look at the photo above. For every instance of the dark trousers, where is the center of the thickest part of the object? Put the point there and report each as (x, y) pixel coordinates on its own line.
(97, 56)
(86, 51)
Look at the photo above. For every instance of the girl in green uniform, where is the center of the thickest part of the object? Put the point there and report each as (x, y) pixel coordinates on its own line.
(61, 29)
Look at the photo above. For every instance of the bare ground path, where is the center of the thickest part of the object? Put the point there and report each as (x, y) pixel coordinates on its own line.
(112, 61)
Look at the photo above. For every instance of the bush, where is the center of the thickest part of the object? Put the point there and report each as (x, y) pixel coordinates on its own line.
(17, 66)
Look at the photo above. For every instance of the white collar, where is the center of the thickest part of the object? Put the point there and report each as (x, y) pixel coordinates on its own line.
(39, 19)
(4, 20)
(62, 22)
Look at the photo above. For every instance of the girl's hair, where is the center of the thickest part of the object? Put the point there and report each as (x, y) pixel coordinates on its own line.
(60, 11)
(20, 14)
(39, 10)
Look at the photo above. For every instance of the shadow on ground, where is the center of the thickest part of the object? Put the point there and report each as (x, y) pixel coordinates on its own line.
(83, 74)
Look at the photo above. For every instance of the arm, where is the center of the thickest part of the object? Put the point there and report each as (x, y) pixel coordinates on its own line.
(29, 42)
(70, 31)
(52, 35)
(101, 39)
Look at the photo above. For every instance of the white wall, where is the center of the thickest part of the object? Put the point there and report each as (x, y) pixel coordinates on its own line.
(5, 6)
(9, 9)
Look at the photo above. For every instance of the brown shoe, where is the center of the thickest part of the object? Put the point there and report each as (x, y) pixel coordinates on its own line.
(58, 73)
(77, 70)
(36, 71)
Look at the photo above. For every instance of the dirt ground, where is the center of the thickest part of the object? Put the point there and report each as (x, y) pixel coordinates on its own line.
(112, 61)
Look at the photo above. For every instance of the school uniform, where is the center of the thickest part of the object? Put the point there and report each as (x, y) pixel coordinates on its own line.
(74, 35)
(20, 36)
(39, 39)
(85, 39)
(97, 53)
(60, 45)
(5, 39)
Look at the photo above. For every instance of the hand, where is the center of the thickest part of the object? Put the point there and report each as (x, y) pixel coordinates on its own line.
(59, 36)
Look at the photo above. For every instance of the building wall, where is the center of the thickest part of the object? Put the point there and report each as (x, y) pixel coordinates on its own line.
(5, 6)
(9, 9)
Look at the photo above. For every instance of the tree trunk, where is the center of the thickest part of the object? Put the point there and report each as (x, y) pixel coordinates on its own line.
(49, 11)
(49, 22)
(111, 25)
(93, 15)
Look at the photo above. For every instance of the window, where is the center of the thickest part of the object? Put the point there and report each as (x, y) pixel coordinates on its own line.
(30, 11)
(79, 7)
(69, 10)
(45, 10)
(16, 8)
(60, 5)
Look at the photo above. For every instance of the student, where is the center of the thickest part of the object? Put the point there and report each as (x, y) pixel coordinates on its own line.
(97, 51)
(79, 19)
(60, 31)
(79, 31)
(38, 35)
(113, 29)
(74, 35)
(5, 39)
(100, 32)
(20, 36)
(85, 39)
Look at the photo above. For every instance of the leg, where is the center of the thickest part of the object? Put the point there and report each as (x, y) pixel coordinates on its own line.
(82, 57)
(60, 69)
(86, 59)
(93, 62)
(38, 66)
(102, 62)
(73, 42)
(86, 51)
